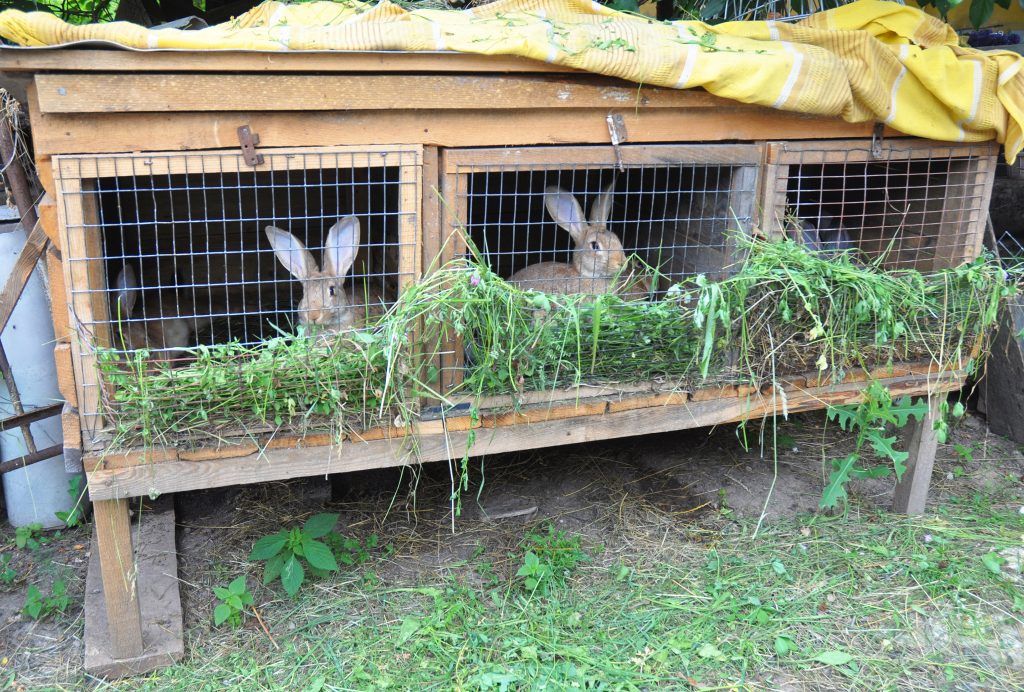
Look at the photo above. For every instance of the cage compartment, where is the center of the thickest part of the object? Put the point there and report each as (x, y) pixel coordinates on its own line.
(187, 231)
(911, 204)
(675, 209)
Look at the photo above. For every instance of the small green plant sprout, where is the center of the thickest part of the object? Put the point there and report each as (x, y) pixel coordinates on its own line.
(7, 573)
(350, 551)
(941, 424)
(549, 559)
(75, 515)
(38, 606)
(285, 552)
(868, 420)
(234, 598)
(30, 537)
(536, 575)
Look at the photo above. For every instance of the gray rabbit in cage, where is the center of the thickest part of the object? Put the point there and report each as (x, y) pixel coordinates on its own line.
(325, 302)
(599, 264)
(825, 235)
(696, 230)
(160, 327)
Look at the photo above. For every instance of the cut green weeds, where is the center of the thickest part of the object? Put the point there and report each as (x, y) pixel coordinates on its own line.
(785, 310)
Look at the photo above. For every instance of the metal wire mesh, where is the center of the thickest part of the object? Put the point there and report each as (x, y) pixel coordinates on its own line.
(579, 229)
(596, 228)
(172, 251)
(907, 208)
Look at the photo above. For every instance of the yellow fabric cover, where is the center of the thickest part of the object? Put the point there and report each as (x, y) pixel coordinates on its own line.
(870, 60)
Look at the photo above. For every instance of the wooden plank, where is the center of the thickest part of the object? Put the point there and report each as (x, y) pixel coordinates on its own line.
(775, 179)
(454, 209)
(166, 93)
(58, 295)
(895, 147)
(44, 170)
(71, 426)
(465, 161)
(289, 463)
(23, 267)
(951, 236)
(231, 162)
(85, 278)
(430, 216)
(47, 209)
(744, 192)
(118, 570)
(65, 373)
(120, 132)
(1000, 395)
(14, 59)
(493, 410)
(921, 443)
(159, 602)
(430, 242)
(982, 190)
(410, 189)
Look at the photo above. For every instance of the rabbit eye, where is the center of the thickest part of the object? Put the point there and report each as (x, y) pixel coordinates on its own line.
(594, 245)
(330, 291)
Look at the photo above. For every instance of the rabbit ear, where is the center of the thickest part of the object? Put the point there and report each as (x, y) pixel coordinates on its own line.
(291, 253)
(127, 290)
(566, 212)
(342, 246)
(601, 209)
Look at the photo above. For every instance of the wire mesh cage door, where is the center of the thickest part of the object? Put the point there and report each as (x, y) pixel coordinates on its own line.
(648, 216)
(907, 204)
(166, 252)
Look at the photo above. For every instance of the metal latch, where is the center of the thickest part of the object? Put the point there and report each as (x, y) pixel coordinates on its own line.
(617, 130)
(249, 139)
(876, 140)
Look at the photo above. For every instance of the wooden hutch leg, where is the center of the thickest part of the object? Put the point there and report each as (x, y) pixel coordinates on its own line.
(922, 443)
(117, 565)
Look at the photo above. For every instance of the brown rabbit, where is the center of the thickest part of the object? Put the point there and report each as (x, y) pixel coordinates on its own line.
(325, 302)
(160, 328)
(598, 260)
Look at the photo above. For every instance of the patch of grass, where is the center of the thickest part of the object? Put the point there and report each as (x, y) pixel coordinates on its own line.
(549, 558)
(867, 601)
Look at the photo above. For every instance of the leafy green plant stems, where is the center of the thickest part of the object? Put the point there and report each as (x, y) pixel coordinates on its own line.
(785, 310)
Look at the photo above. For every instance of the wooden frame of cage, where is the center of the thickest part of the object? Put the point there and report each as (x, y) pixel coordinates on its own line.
(455, 164)
(82, 236)
(88, 102)
(973, 182)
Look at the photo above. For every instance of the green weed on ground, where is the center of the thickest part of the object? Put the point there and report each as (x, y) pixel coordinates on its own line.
(869, 601)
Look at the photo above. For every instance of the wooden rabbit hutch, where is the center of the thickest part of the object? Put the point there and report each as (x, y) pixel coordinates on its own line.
(145, 166)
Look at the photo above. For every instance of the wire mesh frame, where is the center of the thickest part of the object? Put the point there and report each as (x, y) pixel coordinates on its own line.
(655, 191)
(192, 225)
(916, 205)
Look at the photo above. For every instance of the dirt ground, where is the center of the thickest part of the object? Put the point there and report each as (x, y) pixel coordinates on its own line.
(596, 490)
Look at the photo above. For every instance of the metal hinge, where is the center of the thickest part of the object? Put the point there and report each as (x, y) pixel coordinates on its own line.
(876, 140)
(249, 139)
(617, 131)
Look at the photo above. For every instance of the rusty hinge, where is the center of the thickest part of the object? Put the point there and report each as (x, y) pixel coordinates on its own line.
(249, 139)
(617, 131)
(876, 140)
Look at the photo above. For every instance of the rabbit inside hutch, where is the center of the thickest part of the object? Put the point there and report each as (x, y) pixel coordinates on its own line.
(889, 212)
(206, 273)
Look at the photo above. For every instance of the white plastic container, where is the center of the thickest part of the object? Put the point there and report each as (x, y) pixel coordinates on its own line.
(35, 493)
